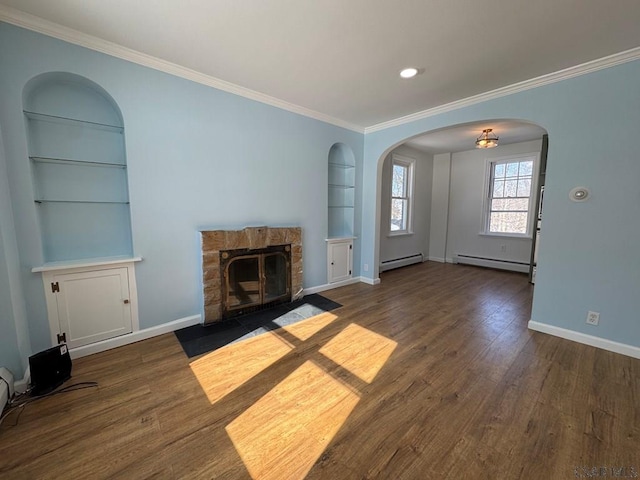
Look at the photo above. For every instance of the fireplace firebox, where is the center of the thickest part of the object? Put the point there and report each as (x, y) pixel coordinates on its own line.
(253, 279)
(244, 269)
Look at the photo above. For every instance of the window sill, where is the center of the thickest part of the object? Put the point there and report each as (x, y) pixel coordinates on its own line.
(515, 236)
(399, 234)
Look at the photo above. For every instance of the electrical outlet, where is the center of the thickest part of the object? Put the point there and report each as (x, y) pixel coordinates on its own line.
(593, 318)
(365, 267)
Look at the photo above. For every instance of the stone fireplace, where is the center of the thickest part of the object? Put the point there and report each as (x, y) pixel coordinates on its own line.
(247, 269)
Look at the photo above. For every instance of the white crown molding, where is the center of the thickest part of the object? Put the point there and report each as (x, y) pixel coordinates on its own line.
(37, 24)
(583, 69)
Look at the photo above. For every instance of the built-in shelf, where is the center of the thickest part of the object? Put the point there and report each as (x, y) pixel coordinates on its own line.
(338, 239)
(78, 165)
(72, 121)
(86, 262)
(341, 188)
(341, 165)
(68, 161)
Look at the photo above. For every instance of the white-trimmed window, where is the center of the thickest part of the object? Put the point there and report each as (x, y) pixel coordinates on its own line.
(401, 194)
(509, 200)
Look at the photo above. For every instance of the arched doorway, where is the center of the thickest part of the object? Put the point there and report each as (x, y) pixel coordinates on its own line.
(458, 212)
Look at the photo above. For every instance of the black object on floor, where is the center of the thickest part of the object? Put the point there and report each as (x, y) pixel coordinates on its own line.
(49, 369)
(199, 339)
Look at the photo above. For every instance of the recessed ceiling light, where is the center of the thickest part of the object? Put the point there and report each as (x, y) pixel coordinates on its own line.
(408, 72)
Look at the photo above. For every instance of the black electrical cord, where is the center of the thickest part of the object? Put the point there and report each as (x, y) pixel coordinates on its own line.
(14, 405)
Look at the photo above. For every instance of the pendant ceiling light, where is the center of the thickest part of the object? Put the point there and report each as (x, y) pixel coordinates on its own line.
(488, 139)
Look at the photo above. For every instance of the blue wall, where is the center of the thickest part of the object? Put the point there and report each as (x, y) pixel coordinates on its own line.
(14, 335)
(201, 158)
(198, 158)
(9, 354)
(589, 256)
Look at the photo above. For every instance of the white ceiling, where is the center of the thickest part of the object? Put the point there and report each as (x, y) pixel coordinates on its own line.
(341, 58)
(463, 137)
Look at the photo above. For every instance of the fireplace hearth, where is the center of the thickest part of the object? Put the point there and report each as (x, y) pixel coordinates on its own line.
(249, 269)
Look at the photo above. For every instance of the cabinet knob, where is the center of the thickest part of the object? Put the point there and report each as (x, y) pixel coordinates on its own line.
(126, 301)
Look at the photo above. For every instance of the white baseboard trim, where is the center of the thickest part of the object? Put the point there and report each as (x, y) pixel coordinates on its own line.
(597, 342)
(135, 336)
(437, 259)
(331, 286)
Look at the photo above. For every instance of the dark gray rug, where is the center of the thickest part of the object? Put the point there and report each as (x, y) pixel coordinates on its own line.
(199, 339)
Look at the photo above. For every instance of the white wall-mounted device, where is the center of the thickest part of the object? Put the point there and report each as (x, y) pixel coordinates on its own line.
(579, 194)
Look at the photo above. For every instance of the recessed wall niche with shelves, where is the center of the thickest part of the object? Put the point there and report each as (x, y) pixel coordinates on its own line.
(341, 191)
(77, 155)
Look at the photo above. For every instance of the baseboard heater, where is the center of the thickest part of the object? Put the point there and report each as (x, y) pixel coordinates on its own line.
(401, 262)
(492, 263)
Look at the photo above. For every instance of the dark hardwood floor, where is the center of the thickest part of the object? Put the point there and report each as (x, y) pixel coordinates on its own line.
(431, 374)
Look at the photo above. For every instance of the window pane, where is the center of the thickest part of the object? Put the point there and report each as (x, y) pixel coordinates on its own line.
(510, 188)
(508, 222)
(510, 204)
(524, 187)
(498, 189)
(512, 169)
(510, 197)
(399, 182)
(526, 168)
(398, 214)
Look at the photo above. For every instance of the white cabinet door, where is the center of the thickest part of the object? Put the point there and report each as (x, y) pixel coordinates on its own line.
(340, 262)
(92, 306)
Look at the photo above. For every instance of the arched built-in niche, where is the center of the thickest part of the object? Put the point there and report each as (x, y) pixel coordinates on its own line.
(77, 153)
(341, 195)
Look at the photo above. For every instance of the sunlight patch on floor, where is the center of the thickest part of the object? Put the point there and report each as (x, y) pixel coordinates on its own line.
(222, 371)
(225, 369)
(307, 328)
(360, 351)
(285, 432)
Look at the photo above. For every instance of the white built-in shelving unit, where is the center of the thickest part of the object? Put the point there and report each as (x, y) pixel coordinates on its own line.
(77, 155)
